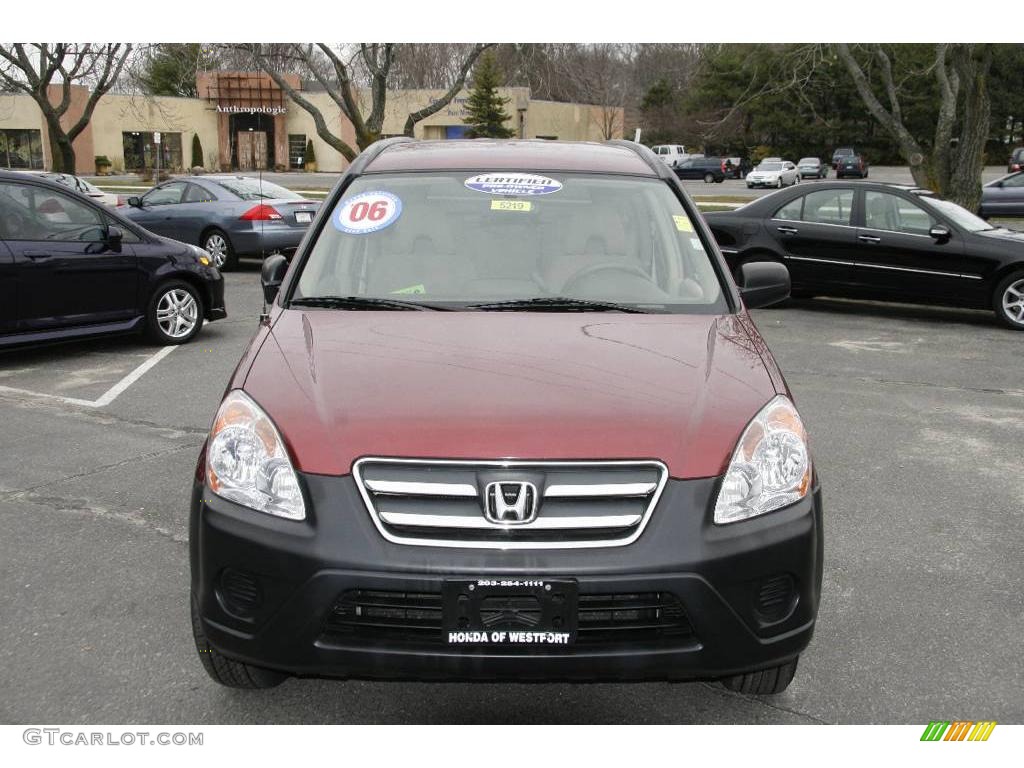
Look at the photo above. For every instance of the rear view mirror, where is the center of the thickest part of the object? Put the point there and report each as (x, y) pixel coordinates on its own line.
(114, 237)
(274, 269)
(940, 232)
(135, 201)
(764, 283)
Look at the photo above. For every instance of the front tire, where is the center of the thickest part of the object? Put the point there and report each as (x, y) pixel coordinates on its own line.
(174, 314)
(228, 672)
(778, 184)
(709, 178)
(764, 682)
(218, 245)
(1008, 301)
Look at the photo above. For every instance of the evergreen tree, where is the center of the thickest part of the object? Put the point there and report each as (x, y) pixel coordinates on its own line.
(486, 109)
(197, 151)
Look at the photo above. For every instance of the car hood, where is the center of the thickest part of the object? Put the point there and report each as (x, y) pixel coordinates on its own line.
(491, 385)
(1002, 234)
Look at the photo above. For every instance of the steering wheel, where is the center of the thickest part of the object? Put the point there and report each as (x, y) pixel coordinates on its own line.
(17, 225)
(629, 269)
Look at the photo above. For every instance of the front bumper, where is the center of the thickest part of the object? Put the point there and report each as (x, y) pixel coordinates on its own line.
(300, 569)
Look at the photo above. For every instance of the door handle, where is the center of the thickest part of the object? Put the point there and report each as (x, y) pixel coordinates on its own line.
(36, 255)
(788, 230)
(869, 239)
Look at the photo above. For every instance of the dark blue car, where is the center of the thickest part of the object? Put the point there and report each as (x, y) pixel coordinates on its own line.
(228, 216)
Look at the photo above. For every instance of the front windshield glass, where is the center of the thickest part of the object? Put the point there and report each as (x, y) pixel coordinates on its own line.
(960, 216)
(809, 161)
(770, 167)
(255, 189)
(465, 238)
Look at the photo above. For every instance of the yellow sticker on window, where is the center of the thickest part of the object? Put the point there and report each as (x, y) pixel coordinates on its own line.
(683, 223)
(420, 288)
(511, 205)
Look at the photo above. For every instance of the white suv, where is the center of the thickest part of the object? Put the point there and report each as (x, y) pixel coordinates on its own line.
(670, 154)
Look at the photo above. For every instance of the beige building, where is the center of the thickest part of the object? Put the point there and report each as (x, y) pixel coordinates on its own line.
(245, 122)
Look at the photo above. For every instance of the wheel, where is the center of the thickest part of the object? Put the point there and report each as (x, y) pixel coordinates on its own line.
(779, 183)
(709, 178)
(218, 245)
(175, 313)
(763, 682)
(750, 186)
(234, 674)
(1008, 301)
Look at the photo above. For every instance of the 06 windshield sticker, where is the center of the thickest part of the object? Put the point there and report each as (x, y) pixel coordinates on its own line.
(521, 184)
(367, 212)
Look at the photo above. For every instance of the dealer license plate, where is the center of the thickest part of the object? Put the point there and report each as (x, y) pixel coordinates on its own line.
(303, 217)
(510, 612)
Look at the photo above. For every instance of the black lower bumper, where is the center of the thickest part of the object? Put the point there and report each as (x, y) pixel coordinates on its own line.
(267, 590)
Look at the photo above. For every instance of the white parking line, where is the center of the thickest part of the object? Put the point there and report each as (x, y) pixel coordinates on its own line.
(107, 397)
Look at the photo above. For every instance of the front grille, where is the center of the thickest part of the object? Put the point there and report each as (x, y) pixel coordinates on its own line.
(640, 618)
(563, 504)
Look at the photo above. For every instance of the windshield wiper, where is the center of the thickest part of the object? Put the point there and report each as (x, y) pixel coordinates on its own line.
(557, 303)
(363, 302)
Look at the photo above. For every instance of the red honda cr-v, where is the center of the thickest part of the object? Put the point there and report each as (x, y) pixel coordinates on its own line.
(507, 417)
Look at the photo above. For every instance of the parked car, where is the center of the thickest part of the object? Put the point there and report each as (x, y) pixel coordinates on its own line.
(229, 216)
(773, 173)
(518, 426)
(670, 154)
(78, 184)
(711, 169)
(812, 167)
(1003, 197)
(880, 241)
(854, 165)
(72, 267)
(841, 154)
(1016, 162)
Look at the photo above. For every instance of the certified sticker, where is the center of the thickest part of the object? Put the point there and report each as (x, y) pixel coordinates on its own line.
(513, 184)
(683, 223)
(367, 212)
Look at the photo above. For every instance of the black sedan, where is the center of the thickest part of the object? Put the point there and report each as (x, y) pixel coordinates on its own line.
(72, 267)
(229, 216)
(882, 242)
(1003, 197)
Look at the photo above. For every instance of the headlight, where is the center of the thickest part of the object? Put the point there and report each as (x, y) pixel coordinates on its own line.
(770, 468)
(246, 460)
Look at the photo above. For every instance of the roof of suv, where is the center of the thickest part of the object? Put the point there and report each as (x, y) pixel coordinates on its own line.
(509, 155)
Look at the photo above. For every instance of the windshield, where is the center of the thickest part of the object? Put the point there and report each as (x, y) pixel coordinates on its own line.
(770, 167)
(809, 161)
(465, 238)
(960, 216)
(255, 189)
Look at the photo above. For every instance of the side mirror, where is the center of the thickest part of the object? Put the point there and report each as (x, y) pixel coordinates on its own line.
(272, 275)
(135, 201)
(764, 283)
(114, 237)
(940, 232)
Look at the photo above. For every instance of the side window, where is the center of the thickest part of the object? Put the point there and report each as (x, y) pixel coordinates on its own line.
(829, 206)
(892, 213)
(168, 194)
(197, 194)
(42, 214)
(792, 210)
(1014, 181)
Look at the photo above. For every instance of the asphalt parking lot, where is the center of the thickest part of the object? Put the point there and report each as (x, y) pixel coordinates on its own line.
(916, 417)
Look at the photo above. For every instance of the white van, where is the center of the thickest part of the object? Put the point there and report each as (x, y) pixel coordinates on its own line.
(670, 154)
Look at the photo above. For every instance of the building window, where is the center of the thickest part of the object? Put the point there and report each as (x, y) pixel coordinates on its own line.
(21, 148)
(140, 151)
(297, 151)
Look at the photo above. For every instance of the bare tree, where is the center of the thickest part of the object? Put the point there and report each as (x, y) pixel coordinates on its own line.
(954, 163)
(32, 68)
(338, 70)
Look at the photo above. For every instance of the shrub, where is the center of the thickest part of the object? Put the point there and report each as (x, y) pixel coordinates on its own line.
(309, 156)
(197, 151)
